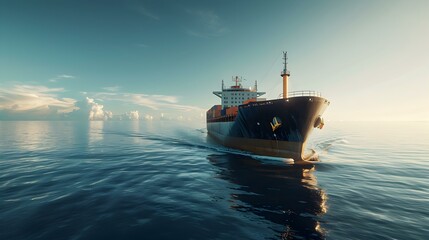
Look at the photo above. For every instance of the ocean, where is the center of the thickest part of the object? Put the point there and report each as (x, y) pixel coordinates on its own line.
(167, 180)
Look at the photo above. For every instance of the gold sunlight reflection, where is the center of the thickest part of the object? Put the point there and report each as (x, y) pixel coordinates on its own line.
(309, 180)
(32, 136)
(135, 127)
(95, 132)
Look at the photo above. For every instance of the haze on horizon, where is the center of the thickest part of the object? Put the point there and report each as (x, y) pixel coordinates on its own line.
(103, 60)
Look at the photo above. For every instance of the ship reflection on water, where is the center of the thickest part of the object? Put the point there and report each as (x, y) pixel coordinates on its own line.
(282, 194)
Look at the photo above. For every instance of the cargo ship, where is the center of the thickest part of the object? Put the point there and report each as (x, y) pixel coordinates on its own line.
(277, 128)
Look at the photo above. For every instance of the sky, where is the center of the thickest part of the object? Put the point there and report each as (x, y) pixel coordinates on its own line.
(101, 60)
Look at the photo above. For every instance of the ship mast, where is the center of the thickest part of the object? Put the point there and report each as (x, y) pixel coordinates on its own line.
(237, 79)
(285, 74)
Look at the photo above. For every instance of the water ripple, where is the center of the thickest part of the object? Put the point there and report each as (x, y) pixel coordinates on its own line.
(136, 180)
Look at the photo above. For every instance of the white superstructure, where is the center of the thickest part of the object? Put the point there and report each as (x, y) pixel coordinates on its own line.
(237, 94)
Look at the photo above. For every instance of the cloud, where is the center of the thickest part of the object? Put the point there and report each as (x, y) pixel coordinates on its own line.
(205, 24)
(143, 45)
(154, 102)
(31, 102)
(28, 102)
(148, 117)
(88, 109)
(60, 77)
(132, 115)
(112, 88)
(40, 102)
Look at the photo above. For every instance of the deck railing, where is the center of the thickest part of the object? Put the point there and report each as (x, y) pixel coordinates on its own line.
(302, 93)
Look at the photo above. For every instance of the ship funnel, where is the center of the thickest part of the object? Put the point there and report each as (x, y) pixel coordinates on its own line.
(285, 74)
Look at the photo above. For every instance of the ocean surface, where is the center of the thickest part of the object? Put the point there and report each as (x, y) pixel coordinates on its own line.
(167, 180)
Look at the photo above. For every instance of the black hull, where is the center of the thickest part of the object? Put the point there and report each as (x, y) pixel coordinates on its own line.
(251, 130)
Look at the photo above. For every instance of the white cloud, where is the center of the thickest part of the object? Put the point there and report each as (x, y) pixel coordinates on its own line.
(27, 100)
(88, 109)
(148, 117)
(154, 102)
(32, 102)
(60, 77)
(96, 111)
(112, 88)
(133, 115)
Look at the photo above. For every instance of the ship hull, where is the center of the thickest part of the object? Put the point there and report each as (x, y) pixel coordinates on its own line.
(252, 129)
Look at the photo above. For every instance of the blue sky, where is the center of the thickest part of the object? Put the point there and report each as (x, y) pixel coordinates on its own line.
(98, 59)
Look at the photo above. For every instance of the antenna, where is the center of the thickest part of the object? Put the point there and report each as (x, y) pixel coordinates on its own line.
(285, 75)
(285, 58)
(285, 71)
(236, 79)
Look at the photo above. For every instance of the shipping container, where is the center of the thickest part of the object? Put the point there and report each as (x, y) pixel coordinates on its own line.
(232, 111)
